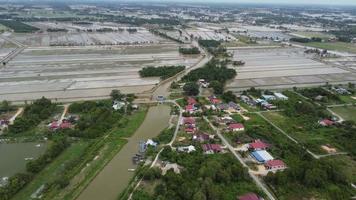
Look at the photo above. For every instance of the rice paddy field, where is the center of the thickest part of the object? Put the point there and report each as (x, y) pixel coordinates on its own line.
(276, 68)
(74, 73)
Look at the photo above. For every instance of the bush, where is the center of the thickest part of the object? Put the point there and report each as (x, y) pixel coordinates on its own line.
(163, 72)
(191, 89)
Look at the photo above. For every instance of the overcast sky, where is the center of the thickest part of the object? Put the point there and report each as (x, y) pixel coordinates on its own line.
(327, 2)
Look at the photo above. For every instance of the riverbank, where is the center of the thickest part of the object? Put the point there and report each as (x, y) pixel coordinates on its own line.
(82, 161)
(114, 178)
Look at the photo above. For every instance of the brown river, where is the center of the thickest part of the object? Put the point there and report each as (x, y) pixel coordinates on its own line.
(114, 178)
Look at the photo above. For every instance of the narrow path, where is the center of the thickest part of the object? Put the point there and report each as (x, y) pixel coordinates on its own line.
(65, 110)
(19, 112)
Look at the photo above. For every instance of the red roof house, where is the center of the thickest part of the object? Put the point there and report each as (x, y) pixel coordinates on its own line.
(202, 137)
(191, 101)
(190, 129)
(211, 148)
(214, 100)
(54, 125)
(189, 121)
(275, 164)
(326, 122)
(249, 196)
(190, 108)
(65, 125)
(236, 127)
(258, 145)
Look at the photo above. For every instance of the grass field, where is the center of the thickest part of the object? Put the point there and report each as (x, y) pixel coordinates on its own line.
(308, 134)
(348, 113)
(336, 46)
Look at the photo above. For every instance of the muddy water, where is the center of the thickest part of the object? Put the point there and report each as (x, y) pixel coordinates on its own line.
(114, 178)
(12, 156)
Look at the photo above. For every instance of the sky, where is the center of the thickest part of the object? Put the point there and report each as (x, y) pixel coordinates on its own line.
(326, 2)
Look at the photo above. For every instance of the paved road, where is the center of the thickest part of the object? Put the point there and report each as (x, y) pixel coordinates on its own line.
(258, 182)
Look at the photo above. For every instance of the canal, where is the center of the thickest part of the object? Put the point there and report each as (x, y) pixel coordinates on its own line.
(115, 177)
(14, 156)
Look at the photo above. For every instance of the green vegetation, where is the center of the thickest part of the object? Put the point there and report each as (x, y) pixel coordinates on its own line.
(335, 46)
(327, 179)
(5, 106)
(95, 120)
(18, 27)
(193, 50)
(209, 43)
(212, 71)
(34, 113)
(306, 40)
(202, 177)
(165, 136)
(191, 89)
(346, 112)
(163, 72)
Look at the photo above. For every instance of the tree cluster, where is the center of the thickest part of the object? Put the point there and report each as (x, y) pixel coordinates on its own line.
(210, 178)
(34, 113)
(194, 50)
(163, 72)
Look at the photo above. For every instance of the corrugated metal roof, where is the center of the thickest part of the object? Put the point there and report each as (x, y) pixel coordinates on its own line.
(262, 156)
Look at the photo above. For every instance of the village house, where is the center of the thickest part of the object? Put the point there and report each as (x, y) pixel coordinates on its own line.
(211, 148)
(202, 137)
(249, 196)
(275, 165)
(191, 101)
(262, 156)
(189, 121)
(326, 122)
(214, 100)
(258, 145)
(152, 143)
(190, 109)
(225, 120)
(268, 97)
(118, 105)
(280, 96)
(65, 124)
(235, 127)
(342, 91)
(187, 149)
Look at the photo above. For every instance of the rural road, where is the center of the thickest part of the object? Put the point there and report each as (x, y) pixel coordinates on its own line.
(258, 182)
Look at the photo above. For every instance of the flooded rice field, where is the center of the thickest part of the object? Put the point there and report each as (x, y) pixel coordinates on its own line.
(284, 68)
(114, 178)
(84, 72)
(14, 156)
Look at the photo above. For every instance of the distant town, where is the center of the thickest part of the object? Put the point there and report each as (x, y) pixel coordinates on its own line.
(177, 101)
